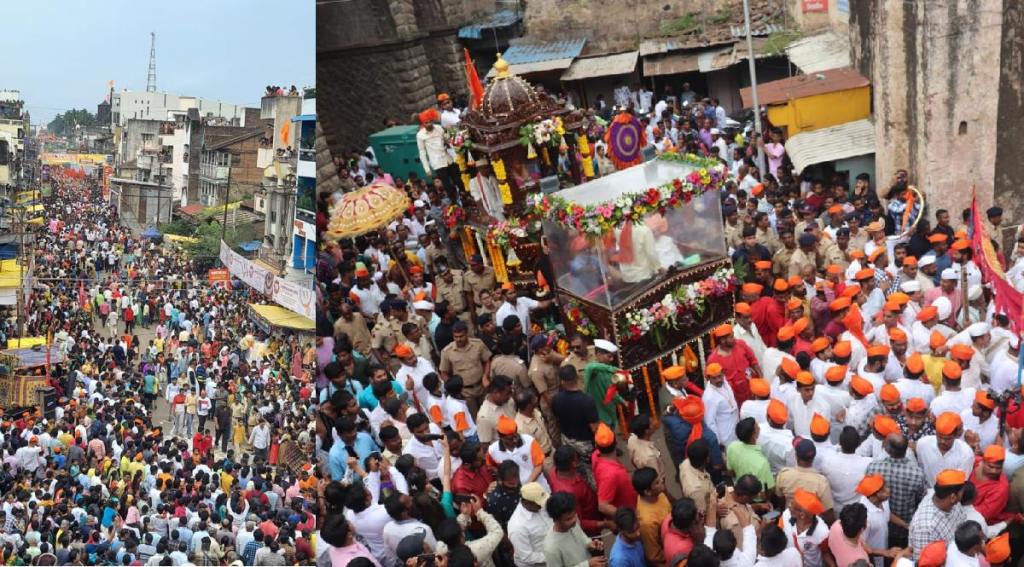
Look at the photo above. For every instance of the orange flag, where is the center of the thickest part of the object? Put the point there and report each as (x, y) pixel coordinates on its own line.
(286, 131)
(476, 88)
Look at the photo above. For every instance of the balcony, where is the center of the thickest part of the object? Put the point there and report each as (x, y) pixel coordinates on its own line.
(307, 155)
(214, 173)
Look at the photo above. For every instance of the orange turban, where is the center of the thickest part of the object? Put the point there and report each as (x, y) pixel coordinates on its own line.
(936, 340)
(861, 386)
(835, 374)
(713, 369)
(506, 425)
(603, 437)
(850, 291)
(403, 351)
(794, 281)
(804, 378)
(870, 484)
(839, 304)
(947, 423)
(429, 115)
(819, 344)
(915, 364)
(960, 245)
(889, 394)
(777, 412)
(763, 265)
(789, 367)
(723, 330)
(951, 370)
(937, 238)
(415, 270)
(994, 454)
(780, 285)
(981, 396)
(808, 501)
(933, 554)
(916, 405)
(928, 313)
(878, 350)
(997, 549)
(742, 308)
(865, 274)
(876, 253)
(819, 425)
(673, 373)
(842, 349)
(752, 288)
(961, 352)
(951, 477)
(691, 409)
(800, 325)
(897, 335)
(760, 387)
(854, 323)
(794, 304)
(785, 333)
(885, 425)
(834, 269)
(899, 298)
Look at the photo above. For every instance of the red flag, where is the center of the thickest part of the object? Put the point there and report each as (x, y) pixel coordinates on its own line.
(476, 88)
(1007, 299)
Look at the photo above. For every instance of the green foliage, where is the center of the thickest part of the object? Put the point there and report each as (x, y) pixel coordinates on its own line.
(208, 234)
(65, 123)
(179, 226)
(681, 25)
(723, 15)
(777, 42)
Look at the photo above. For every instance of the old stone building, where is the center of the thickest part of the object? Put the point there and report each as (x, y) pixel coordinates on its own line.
(948, 96)
(380, 60)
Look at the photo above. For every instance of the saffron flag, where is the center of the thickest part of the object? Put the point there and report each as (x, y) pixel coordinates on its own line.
(286, 131)
(476, 88)
(1007, 299)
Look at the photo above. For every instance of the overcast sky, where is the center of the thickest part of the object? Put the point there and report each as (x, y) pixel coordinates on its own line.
(61, 53)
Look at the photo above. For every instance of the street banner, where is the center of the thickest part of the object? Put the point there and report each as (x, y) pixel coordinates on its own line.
(1007, 299)
(811, 6)
(220, 278)
(291, 296)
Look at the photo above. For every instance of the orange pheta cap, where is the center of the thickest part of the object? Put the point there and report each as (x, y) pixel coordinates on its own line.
(947, 423)
(870, 484)
(819, 425)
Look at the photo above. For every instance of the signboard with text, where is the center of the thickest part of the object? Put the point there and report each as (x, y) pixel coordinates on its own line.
(812, 6)
(219, 277)
(290, 295)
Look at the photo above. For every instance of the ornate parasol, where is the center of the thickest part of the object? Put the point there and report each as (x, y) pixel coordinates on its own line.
(365, 210)
(625, 138)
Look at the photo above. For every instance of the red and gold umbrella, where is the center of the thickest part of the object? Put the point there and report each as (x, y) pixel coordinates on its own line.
(365, 210)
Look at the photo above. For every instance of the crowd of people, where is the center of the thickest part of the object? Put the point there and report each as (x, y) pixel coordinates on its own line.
(182, 432)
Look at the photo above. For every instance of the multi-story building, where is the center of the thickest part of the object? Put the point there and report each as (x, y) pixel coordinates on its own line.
(228, 168)
(13, 121)
(277, 195)
(128, 105)
(304, 224)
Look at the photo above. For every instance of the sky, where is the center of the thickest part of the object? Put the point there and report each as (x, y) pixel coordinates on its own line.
(61, 53)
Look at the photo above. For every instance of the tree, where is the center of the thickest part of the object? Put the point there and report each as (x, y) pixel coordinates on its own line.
(65, 123)
(208, 234)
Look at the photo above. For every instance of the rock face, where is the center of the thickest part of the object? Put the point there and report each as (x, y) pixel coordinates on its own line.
(380, 60)
(947, 89)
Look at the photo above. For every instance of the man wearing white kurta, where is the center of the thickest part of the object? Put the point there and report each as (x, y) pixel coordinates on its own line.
(721, 413)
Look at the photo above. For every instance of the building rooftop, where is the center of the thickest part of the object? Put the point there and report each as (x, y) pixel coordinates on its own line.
(784, 90)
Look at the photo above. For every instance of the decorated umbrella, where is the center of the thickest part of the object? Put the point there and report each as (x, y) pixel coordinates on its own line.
(625, 138)
(365, 210)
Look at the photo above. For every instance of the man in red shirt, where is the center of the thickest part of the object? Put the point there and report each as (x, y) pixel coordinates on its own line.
(736, 359)
(201, 444)
(992, 486)
(473, 477)
(769, 313)
(614, 485)
(567, 478)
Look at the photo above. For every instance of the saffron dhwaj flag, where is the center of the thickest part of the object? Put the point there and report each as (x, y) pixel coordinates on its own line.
(1007, 299)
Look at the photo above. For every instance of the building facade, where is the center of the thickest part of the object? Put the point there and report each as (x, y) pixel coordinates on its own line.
(13, 127)
(304, 224)
(141, 105)
(228, 169)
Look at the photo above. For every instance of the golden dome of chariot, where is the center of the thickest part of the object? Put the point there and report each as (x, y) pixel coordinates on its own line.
(508, 94)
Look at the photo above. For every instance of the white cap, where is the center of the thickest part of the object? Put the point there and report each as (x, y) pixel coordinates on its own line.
(973, 292)
(949, 274)
(978, 329)
(418, 204)
(422, 304)
(715, 131)
(912, 286)
(606, 346)
(944, 306)
(926, 260)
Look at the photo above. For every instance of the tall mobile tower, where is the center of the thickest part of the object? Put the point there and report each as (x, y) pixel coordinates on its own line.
(151, 77)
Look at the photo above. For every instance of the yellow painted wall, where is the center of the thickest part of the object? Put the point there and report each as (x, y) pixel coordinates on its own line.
(821, 111)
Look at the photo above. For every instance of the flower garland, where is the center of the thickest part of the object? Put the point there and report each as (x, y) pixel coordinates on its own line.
(709, 175)
(664, 315)
(509, 231)
(579, 319)
(453, 215)
(544, 133)
(460, 140)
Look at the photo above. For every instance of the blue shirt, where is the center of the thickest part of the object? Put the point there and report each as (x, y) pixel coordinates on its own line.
(337, 458)
(677, 432)
(368, 401)
(627, 554)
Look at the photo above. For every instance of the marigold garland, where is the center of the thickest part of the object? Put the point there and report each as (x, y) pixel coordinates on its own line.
(664, 315)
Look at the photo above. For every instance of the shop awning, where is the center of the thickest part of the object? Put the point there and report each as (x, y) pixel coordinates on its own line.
(526, 58)
(601, 66)
(180, 238)
(688, 62)
(820, 52)
(251, 246)
(848, 140)
(27, 342)
(281, 317)
(31, 357)
(497, 20)
(34, 209)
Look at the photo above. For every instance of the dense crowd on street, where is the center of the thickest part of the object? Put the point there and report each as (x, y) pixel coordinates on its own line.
(861, 407)
(175, 449)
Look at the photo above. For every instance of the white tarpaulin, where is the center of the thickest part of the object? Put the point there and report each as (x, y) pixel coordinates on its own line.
(289, 295)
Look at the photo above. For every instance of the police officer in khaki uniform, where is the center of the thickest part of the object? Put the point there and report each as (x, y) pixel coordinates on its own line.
(451, 287)
(581, 353)
(543, 374)
(507, 363)
(805, 256)
(387, 333)
(780, 261)
(479, 278)
(470, 359)
(733, 229)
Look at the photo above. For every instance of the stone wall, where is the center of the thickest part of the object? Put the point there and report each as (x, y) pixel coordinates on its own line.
(935, 76)
(1009, 174)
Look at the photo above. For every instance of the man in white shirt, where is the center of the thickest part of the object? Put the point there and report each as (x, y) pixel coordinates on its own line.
(426, 451)
(412, 371)
(520, 306)
(980, 420)
(1004, 367)
(775, 440)
(953, 398)
(402, 524)
(803, 406)
(529, 525)
(945, 449)
(845, 468)
(432, 143)
(450, 116)
(721, 412)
